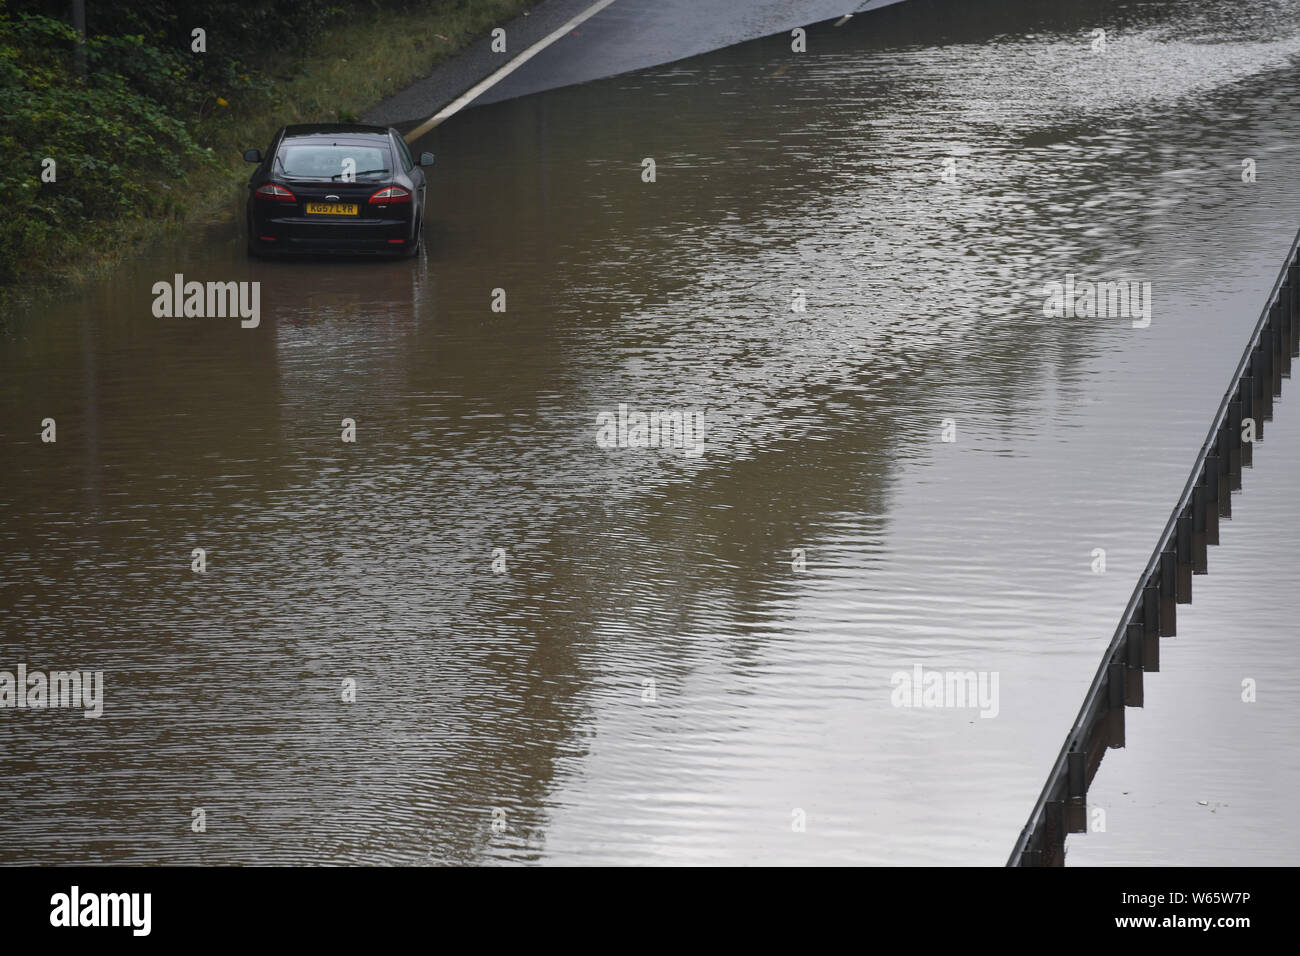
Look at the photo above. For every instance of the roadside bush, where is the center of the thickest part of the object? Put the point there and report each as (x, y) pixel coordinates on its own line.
(114, 144)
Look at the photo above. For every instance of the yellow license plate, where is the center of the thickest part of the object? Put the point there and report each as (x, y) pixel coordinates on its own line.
(331, 209)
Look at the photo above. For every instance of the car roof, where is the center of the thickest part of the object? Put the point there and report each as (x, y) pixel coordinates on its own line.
(352, 132)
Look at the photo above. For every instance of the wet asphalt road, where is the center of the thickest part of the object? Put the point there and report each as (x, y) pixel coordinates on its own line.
(626, 36)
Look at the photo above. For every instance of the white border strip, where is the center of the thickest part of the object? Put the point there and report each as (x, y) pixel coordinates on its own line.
(458, 104)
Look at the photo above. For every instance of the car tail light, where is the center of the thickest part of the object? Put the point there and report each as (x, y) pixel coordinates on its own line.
(275, 193)
(390, 196)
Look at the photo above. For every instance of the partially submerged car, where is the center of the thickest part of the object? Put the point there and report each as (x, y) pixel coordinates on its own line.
(336, 188)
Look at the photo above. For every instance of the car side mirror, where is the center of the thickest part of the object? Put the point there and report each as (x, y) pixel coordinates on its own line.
(426, 159)
(252, 156)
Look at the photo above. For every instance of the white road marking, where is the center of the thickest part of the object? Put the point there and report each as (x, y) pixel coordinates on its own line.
(458, 104)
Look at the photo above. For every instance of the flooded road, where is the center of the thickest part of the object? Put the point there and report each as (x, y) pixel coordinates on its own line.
(677, 658)
(1208, 764)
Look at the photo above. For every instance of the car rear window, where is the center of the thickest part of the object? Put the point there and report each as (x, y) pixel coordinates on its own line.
(329, 161)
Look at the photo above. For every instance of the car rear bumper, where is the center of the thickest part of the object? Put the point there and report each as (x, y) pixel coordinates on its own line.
(314, 236)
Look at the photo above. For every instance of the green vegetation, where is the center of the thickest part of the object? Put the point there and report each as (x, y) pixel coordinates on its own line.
(152, 132)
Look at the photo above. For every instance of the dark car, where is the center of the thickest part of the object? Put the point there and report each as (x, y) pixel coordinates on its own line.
(336, 188)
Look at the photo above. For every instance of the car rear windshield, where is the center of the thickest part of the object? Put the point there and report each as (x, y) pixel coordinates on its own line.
(335, 162)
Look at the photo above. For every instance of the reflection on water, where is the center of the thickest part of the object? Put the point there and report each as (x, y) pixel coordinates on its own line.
(651, 680)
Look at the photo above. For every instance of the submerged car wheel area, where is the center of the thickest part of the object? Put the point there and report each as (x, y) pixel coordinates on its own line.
(336, 189)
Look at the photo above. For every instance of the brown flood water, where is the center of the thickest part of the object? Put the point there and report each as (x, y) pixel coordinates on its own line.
(650, 680)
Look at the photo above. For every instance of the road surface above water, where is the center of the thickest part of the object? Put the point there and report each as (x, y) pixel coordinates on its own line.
(627, 35)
